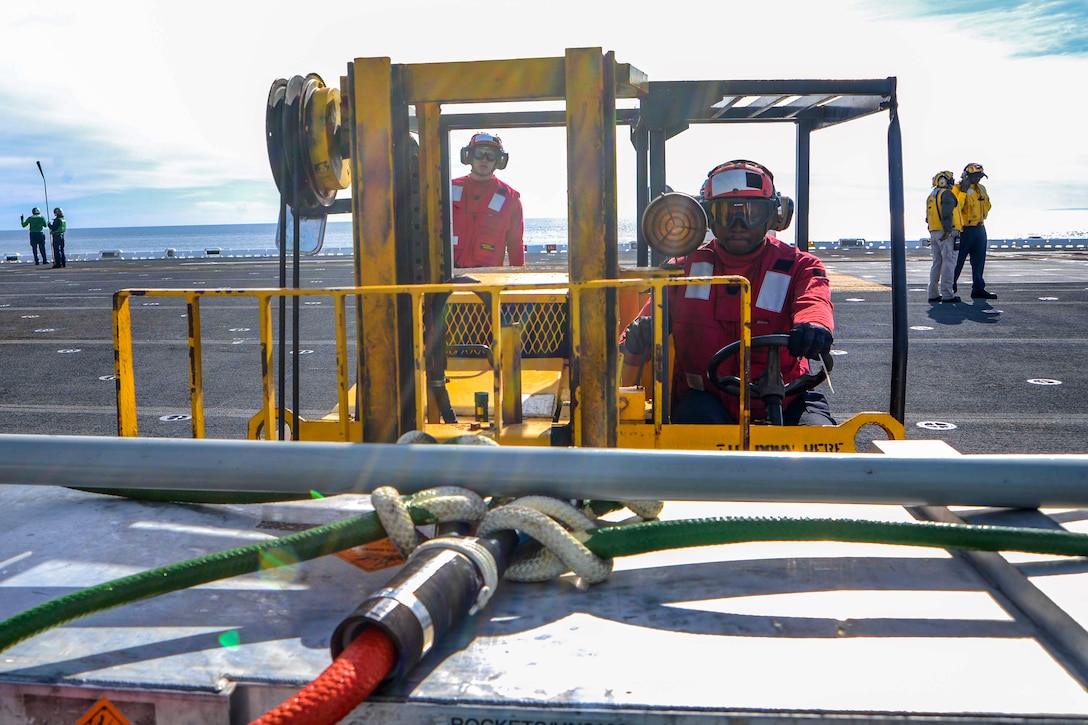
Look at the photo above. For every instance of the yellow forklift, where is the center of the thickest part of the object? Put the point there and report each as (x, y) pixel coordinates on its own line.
(530, 357)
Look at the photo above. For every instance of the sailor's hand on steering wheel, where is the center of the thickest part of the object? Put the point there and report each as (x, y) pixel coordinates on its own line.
(809, 340)
(771, 382)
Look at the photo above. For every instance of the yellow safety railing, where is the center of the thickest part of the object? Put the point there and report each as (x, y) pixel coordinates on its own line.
(493, 293)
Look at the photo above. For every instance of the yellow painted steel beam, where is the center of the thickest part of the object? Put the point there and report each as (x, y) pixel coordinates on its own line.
(268, 387)
(518, 79)
(661, 374)
(196, 366)
(489, 80)
(840, 438)
(432, 188)
(342, 383)
(591, 172)
(372, 181)
(510, 365)
(124, 377)
(419, 372)
(496, 347)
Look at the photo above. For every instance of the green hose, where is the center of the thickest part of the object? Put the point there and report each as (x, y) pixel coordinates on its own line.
(608, 542)
(305, 545)
(649, 536)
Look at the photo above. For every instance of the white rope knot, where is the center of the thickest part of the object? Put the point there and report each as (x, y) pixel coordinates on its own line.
(560, 528)
(446, 503)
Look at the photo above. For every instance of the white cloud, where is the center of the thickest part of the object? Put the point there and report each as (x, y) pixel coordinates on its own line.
(135, 97)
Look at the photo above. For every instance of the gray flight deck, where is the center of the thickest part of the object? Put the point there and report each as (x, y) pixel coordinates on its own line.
(747, 633)
(970, 364)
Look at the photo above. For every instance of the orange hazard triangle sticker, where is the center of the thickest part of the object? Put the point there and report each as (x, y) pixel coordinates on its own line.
(376, 555)
(103, 713)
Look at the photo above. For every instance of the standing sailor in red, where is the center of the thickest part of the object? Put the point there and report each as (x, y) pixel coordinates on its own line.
(488, 224)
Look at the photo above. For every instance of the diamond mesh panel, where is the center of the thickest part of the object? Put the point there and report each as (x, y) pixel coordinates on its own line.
(543, 325)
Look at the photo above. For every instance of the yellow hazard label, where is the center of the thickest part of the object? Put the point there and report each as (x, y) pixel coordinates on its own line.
(375, 556)
(103, 713)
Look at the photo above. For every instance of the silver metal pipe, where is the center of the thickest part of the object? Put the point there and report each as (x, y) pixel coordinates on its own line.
(1027, 481)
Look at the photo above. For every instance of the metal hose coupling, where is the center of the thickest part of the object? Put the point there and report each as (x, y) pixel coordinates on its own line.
(444, 581)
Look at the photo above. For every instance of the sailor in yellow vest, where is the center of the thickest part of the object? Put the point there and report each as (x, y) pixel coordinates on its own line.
(945, 225)
(974, 208)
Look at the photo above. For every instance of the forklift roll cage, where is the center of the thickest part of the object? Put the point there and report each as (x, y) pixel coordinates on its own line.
(380, 93)
(399, 167)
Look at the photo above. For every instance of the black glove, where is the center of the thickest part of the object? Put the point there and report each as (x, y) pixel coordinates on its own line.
(639, 338)
(810, 340)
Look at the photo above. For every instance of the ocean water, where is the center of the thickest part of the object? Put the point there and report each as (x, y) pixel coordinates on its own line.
(235, 240)
(259, 240)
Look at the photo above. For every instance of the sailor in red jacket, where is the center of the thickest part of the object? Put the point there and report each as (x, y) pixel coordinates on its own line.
(790, 294)
(487, 214)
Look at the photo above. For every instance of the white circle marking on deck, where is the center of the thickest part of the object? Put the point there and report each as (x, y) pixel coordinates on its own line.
(1044, 381)
(69, 351)
(936, 425)
(176, 417)
(920, 327)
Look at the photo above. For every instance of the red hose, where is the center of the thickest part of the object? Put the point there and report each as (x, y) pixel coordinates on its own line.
(342, 686)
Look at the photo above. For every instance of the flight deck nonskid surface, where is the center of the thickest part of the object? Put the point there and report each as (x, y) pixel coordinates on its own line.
(762, 630)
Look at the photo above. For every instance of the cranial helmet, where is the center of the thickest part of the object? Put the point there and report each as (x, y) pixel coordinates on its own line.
(485, 139)
(35, 210)
(58, 211)
(973, 169)
(943, 179)
(745, 190)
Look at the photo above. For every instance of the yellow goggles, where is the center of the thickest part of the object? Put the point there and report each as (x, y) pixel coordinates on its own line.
(752, 213)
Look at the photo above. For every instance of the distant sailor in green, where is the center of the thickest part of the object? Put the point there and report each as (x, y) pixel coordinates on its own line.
(37, 223)
(57, 227)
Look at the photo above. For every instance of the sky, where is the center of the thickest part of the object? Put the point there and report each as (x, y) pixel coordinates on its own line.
(151, 114)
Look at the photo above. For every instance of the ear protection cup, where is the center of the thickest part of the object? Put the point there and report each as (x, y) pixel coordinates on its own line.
(784, 215)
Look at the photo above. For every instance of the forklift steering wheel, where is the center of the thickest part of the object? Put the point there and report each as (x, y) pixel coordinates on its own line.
(772, 376)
